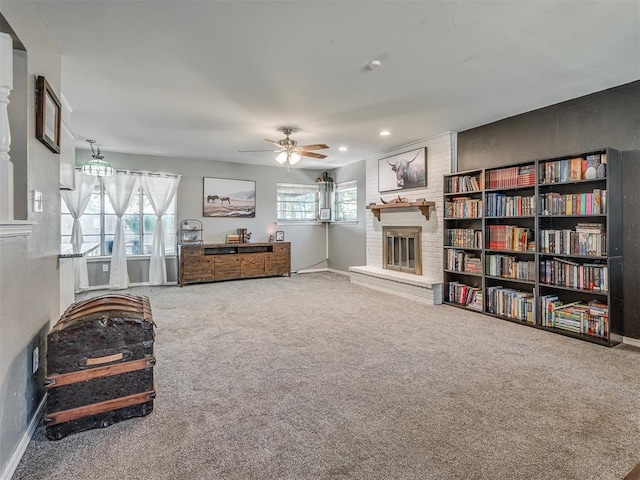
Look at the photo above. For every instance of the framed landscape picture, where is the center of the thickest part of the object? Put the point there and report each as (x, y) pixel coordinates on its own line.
(224, 197)
(403, 171)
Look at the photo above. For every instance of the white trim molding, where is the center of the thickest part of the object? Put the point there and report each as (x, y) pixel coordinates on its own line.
(24, 442)
(16, 228)
(631, 341)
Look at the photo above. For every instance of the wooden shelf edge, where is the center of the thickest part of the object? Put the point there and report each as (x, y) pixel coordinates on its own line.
(422, 206)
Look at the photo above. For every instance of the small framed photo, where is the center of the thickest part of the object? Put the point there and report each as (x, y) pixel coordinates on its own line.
(325, 214)
(48, 115)
(279, 236)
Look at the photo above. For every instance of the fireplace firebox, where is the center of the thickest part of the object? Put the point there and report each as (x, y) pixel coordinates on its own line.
(401, 249)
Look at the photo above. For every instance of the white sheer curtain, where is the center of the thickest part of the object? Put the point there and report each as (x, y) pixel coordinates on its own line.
(77, 201)
(120, 188)
(160, 191)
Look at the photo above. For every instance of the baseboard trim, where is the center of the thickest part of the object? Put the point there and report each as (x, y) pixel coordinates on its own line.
(631, 341)
(24, 442)
(131, 284)
(313, 270)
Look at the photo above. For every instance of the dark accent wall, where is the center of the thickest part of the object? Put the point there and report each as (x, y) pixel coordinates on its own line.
(610, 118)
(631, 242)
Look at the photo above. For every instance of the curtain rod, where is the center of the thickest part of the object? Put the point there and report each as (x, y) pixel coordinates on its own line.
(136, 172)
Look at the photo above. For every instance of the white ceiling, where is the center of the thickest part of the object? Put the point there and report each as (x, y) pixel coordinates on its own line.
(206, 79)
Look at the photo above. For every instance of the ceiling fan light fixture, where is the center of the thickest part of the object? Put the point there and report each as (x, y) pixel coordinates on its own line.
(96, 167)
(385, 133)
(294, 158)
(343, 149)
(281, 158)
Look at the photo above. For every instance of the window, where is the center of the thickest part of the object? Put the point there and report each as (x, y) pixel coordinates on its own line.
(99, 224)
(346, 202)
(297, 203)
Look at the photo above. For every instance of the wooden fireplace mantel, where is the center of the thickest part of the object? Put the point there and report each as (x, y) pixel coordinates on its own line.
(423, 206)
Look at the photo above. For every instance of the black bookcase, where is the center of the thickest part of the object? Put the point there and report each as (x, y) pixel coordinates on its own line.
(539, 243)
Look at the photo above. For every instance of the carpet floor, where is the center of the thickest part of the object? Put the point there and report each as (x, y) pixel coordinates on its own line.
(311, 377)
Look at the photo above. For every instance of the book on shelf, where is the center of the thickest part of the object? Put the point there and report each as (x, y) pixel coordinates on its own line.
(464, 237)
(583, 241)
(466, 295)
(501, 205)
(561, 272)
(464, 183)
(463, 207)
(590, 319)
(506, 266)
(511, 303)
(463, 262)
(510, 237)
(589, 203)
(511, 177)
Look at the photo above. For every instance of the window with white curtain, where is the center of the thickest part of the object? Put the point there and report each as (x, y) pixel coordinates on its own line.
(99, 224)
(297, 202)
(345, 202)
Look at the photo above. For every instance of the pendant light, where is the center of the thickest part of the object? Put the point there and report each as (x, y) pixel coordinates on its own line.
(96, 167)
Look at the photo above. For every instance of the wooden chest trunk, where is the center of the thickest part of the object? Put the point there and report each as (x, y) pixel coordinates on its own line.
(99, 364)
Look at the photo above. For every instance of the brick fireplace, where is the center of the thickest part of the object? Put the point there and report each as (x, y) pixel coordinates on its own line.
(425, 283)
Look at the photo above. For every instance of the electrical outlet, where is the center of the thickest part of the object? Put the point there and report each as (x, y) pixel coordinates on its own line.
(35, 360)
(105, 267)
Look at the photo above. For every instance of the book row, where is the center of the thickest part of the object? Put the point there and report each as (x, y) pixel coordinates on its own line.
(461, 261)
(501, 205)
(466, 295)
(463, 208)
(510, 267)
(592, 277)
(519, 176)
(590, 319)
(574, 169)
(511, 303)
(465, 183)
(464, 237)
(510, 237)
(573, 242)
(591, 203)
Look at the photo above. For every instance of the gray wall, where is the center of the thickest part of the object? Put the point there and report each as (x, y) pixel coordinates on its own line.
(610, 118)
(347, 241)
(307, 241)
(29, 278)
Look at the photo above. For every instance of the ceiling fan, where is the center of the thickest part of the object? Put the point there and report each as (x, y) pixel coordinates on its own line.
(289, 151)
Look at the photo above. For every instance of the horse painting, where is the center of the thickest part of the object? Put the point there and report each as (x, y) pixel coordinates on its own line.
(212, 198)
(225, 199)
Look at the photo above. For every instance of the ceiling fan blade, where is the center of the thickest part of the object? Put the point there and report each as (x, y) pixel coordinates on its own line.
(316, 146)
(245, 151)
(271, 141)
(312, 155)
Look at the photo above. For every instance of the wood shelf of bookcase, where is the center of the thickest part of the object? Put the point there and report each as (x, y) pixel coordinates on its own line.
(571, 289)
(464, 273)
(514, 280)
(422, 206)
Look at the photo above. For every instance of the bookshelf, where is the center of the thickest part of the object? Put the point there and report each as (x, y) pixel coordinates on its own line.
(539, 243)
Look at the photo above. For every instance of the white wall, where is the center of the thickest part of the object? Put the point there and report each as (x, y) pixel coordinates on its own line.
(29, 282)
(307, 241)
(347, 240)
(440, 154)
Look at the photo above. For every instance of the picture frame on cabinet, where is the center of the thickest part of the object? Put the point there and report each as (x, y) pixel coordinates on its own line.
(280, 236)
(48, 115)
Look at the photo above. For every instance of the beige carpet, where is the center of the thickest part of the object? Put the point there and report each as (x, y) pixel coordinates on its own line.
(311, 377)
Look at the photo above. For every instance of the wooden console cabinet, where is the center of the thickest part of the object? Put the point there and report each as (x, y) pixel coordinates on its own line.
(225, 261)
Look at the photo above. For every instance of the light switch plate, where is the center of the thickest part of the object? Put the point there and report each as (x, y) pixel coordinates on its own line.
(37, 201)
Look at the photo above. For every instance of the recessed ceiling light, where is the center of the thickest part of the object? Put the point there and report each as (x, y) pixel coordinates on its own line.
(384, 133)
(343, 149)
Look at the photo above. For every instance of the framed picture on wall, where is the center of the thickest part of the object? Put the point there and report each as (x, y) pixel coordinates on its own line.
(224, 197)
(48, 115)
(325, 214)
(279, 236)
(403, 171)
